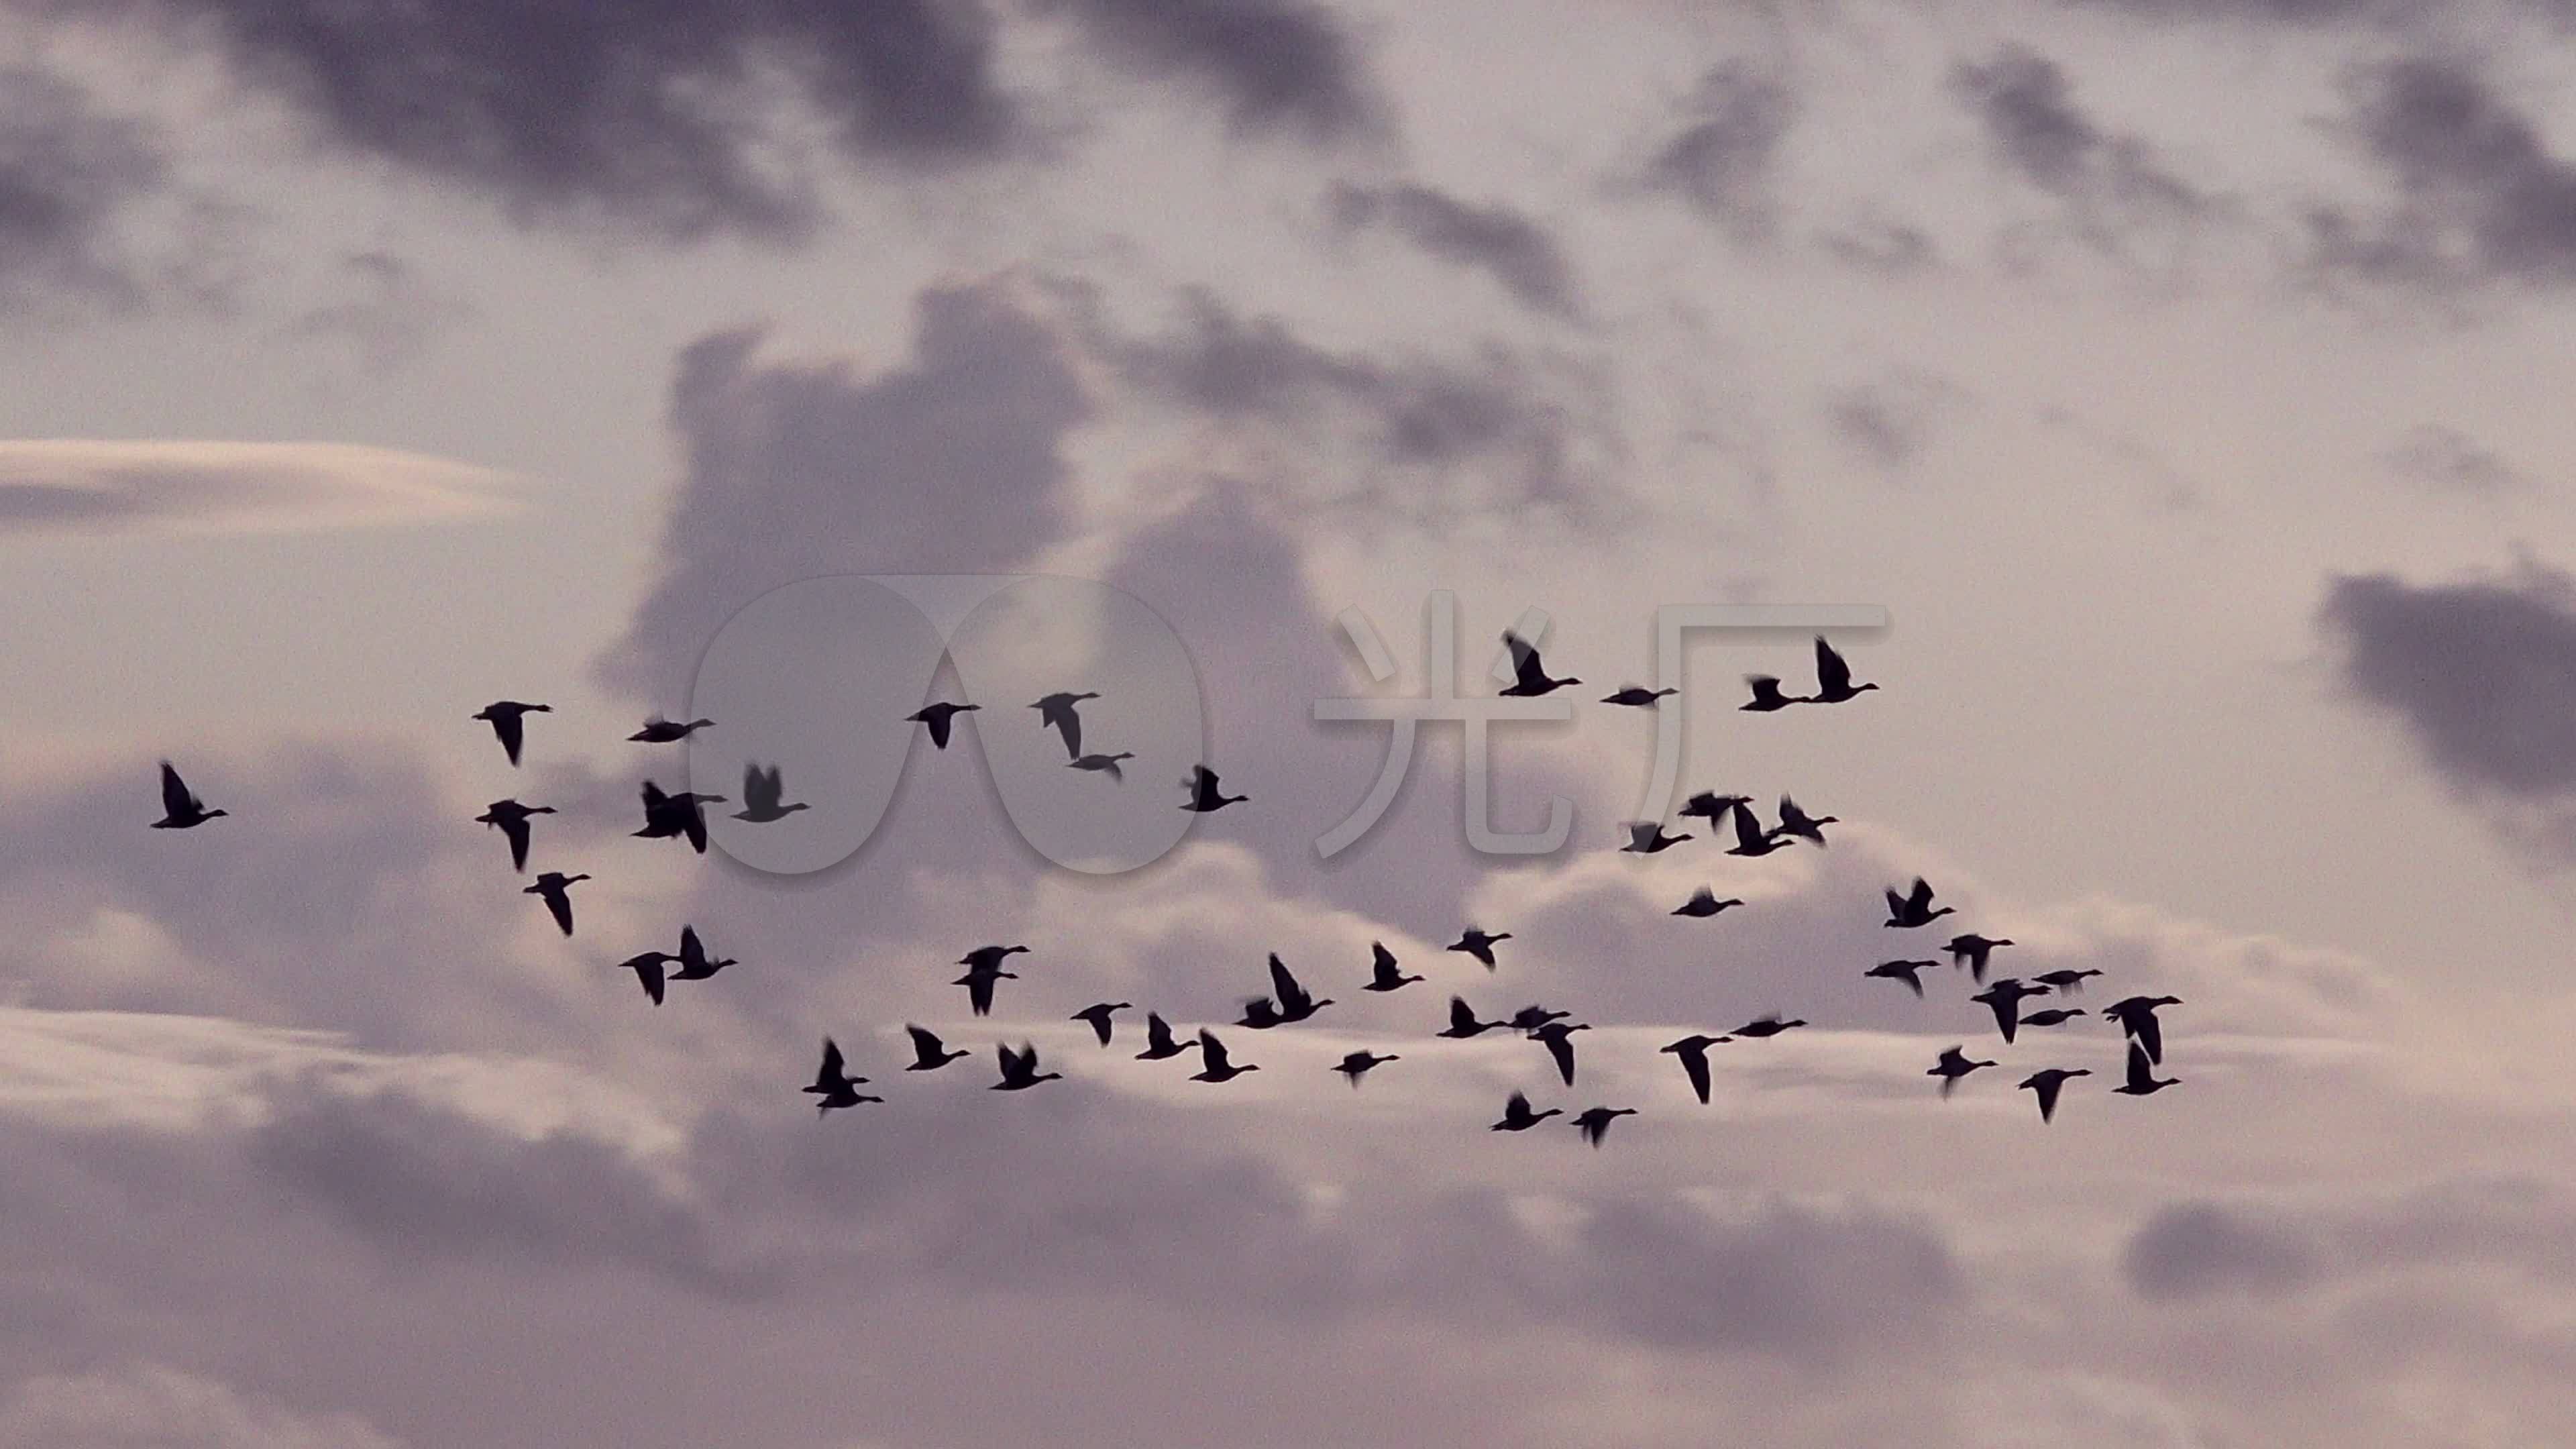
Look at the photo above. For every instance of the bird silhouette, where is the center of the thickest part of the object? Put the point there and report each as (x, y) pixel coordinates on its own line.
(1833, 677)
(2053, 1016)
(844, 1094)
(1529, 676)
(511, 819)
(1693, 1051)
(180, 810)
(2047, 1084)
(1102, 764)
(832, 1074)
(1533, 1016)
(660, 731)
(1357, 1064)
(1637, 696)
(939, 717)
(1751, 840)
(1767, 696)
(1260, 1013)
(1711, 806)
(1517, 1116)
(762, 791)
(1767, 1026)
(648, 970)
(1901, 971)
(1295, 1003)
(1382, 973)
(1098, 1014)
(1797, 822)
(2142, 1080)
(1595, 1122)
(556, 887)
(695, 963)
(979, 988)
(1159, 1044)
(1056, 712)
(989, 958)
(1020, 1069)
(1479, 945)
(1558, 1037)
(2067, 982)
(1463, 1023)
(505, 716)
(1914, 909)
(929, 1053)
(1645, 837)
(1704, 902)
(1971, 951)
(1954, 1064)
(1214, 1064)
(2137, 1017)
(683, 814)
(2004, 999)
(1205, 797)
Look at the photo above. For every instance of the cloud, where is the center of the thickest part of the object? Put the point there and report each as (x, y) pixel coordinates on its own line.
(97, 486)
(1891, 420)
(1495, 239)
(386, 314)
(2444, 459)
(1720, 161)
(1278, 65)
(153, 1406)
(68, 173)
(2195, 1249)
(2111, 183)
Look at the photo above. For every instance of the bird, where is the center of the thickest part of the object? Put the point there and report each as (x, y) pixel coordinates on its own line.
(1098, 1014)
(1636, 696)
(1971, 951)
(2054, 1016)
(1751, 840)
(1382, 973)
(1711, 806)
(505, 716)
(1797, 822)
(695, 963)
(682, 814)
(1463, 1023)
(180, 810)
(842, 1094)
(1645, 837)
(1517, 1116)
(2047, 1084)
(1214, 1064)
(1479, 945)
(1205, 796)
(1529, 676)
(660, 731)
(1693, 1051)
(556, 887)
(2143, 1082)
(1260, 1013)
(989, 958)
(1704, 902)
(929, 1053)
(2137, 1017)
(1020, 1069)
(648, 970)
(1158, 1040)
(1766, 1026)
(1102, 764)
(1558, 1037)
(1595, 1122)
(1914, 909)
(511, 818)
(1357, 1064)
(1056, 712)
(1530, 1018)
(1901, 971)
(939, 717)
(833, 1073)
(1833, 677)
(2004, 1000)
(979, 988)
(1295, 1002)
(1766, 695)
(761, 792)
(2067, 982)
(1954, 1064)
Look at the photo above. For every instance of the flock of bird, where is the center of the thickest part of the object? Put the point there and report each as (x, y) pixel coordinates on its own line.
(669, 815)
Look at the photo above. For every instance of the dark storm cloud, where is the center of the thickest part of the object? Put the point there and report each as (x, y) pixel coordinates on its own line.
(649, 113)
(1277, 65)
(2036, 129)
(66, 171)
(2481, 673)
(1495, 239)
(1720, 160)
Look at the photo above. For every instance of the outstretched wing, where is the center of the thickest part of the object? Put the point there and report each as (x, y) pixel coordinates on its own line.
(1292, 996)
(2141, 1075)
(832, 1064)
(2151, 1036)
(175, 799)
(515, 827)
(693, 952)
(697, 828)
(1921, 899)
(559, 905)
(1462, 1017)
(926, 1045)
(2047, 1088)
(1561, 1047)
(1525, 662)
(1695, 1064)
(1212, 1053)
(2007, 1015)
(979, 991)
(1833, 676)
(938, 720)
(1067, 723)
(1748, 831)
(506, 725)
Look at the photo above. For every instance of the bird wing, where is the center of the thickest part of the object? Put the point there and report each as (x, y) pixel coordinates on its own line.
(2007, 1014)
(2047, 1087)
(979, 991)
(1696, 1065)
(938, 720)
(648, 969)
(175, 798)
(693, 952)
(1561, 1047)
(757, 796)
(1748, 831)
(697, 828)
(559, 905)
(1382, 961)
(1833, 676)
(1060, 714)
(506, 726)
(515, 827)
(1292, 997)
(1526, 668)
(1099, 1019)
(2140, 1073)
(832, 1064)
(1461, 1016)
(1158, 1032)
(926, 1046)
(1212, 1053)
(1921, 897)
(2151, 1036)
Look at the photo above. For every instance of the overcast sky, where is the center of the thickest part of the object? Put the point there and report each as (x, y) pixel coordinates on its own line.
(2186, 379)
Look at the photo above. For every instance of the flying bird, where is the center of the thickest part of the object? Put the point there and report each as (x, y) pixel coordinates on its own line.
(2004, 1000)
(1463, 1023)
(1693, 1051)
(1530, 677)
(1214, 1064)
(833, 1072)
(1751, 840)
(2137, 1017)
(1797, 822)
(2067, 982)
(1533, 1016)
(505, 716)
(683, 814)
(1637, 696)
(2054, 1016)
(1645, 837)
(1766, 695)
(695, 963)
(1517, 1116)
(1558, 1037)
(556, 887)
(1954, 1064)
(1915, 909)
(1766, 1026)
(979, 988)
(1295, 1002)
(939, 717)
(511, 818)
(1382, 973)
(1205, 797)
(2047, 1084)
(1479, 945)
(660, 731)
(844, 1094)
(929, 1053)
(1259, 1014)
(1020, 1069)
(648, 970)
(1833, 677)
(1971, 951)
(1055, 712)
(1704, 902)
(989, 958)
(1901, 971)
(2143, 1082)
(1158, 1040)
(1357, 1064)
(1711, 806)
(1595, 1122)
(762, 791)
(180, 810)
(1098, 1014)
(1102, 764)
